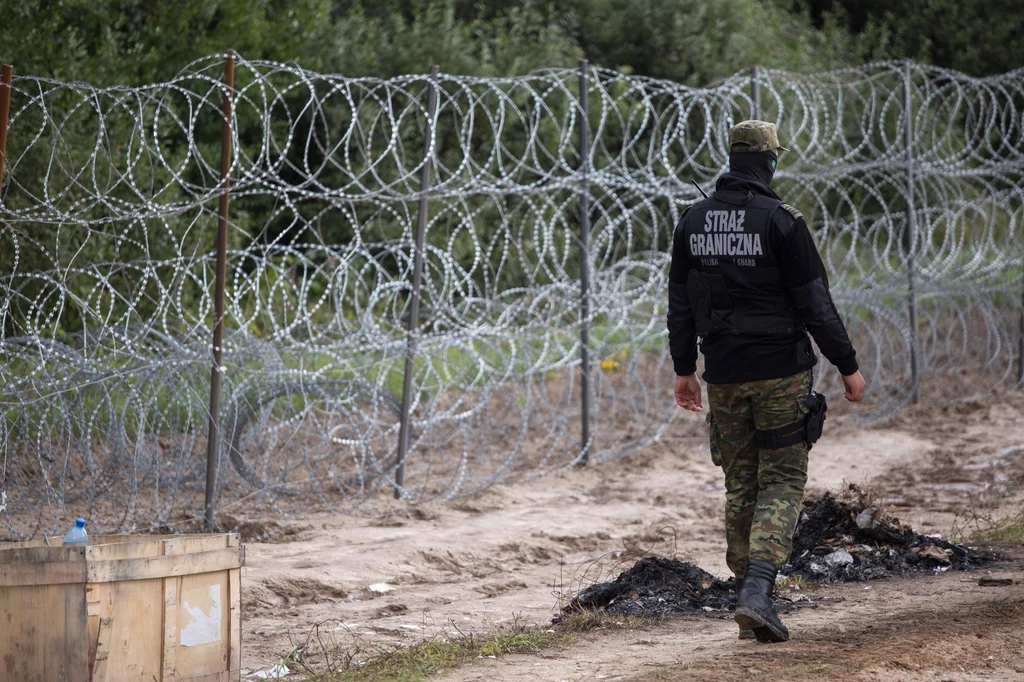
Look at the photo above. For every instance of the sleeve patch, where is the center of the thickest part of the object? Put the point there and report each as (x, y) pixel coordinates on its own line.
(795, 213)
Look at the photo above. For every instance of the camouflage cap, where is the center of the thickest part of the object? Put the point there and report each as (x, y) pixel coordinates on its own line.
(754, 136)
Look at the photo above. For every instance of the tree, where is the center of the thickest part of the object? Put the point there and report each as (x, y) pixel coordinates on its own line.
(980, 38)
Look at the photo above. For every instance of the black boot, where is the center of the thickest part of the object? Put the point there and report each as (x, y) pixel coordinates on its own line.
(745, 633)
(754, 608)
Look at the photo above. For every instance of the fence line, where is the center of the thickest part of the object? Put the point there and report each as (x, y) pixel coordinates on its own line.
(545, 243)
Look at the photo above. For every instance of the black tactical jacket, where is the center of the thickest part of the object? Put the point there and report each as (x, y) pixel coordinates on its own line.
(747, 279)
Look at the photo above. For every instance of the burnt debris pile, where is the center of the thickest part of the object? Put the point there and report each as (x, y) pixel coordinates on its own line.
(846, 537)
(852, 538)
(658, 586)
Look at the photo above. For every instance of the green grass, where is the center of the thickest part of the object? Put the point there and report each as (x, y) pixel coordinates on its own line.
(1009, 530)
(448, 650)
(974, 525)
(162, 407)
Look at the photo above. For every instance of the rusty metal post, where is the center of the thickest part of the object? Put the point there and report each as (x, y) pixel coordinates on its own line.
(915, 368)
(584, 263)
(412, 342)
(6, 76)
(755, 93)
(213, 439)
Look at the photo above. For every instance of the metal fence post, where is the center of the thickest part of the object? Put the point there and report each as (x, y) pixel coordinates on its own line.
(584, 262)
(213, 439)
(417, 276)
(915, 367)
(6, 76)
(1020, 345)
(755, 92)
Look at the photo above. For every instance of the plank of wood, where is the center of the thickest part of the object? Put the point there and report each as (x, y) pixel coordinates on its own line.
(76, 643)
(41, 555)
(115, 539)
(170, 648)
(54, 541)
(99, 665)
(113, 551)
(56, 573)
(94, 610)
(195, 544)
(163, 567)
(235, 620)
(203, 624)
(138, 632)
(41, 640)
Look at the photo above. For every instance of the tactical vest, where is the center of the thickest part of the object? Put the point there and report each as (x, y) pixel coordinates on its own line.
(735, 285)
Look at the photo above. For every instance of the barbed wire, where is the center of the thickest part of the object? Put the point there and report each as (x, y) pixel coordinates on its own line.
(108, 261)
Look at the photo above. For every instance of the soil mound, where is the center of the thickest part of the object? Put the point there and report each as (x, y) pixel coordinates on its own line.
(655, 586)
(852, 538)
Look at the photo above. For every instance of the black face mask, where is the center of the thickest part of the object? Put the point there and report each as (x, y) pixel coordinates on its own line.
(758, 165)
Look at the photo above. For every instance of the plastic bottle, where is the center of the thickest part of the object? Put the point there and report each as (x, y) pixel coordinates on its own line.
(77, 535)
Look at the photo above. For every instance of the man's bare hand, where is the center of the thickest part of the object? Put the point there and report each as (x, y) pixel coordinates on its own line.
(688, 393)
(855, 387)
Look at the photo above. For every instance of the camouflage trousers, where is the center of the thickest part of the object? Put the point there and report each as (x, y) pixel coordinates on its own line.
(764, 488)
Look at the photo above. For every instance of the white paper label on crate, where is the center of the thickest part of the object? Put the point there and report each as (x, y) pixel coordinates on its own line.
(205, 625)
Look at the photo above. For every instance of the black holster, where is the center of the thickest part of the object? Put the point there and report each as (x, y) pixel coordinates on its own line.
(808, 430)
(818, 407)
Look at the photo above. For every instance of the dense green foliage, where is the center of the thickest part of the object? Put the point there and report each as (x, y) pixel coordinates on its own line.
(692, 41)
(697, 42)
(980, 37)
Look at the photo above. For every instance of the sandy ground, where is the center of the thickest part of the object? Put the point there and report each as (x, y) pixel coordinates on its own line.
(518, 549)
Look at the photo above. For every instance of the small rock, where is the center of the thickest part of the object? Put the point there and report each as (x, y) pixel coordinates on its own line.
(866, 519)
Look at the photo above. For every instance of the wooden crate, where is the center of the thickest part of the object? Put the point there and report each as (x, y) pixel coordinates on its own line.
(122, 609)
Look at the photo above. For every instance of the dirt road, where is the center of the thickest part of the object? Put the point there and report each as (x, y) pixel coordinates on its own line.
(517, 549)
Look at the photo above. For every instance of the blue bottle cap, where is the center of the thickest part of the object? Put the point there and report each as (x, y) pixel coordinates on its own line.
(80, 523)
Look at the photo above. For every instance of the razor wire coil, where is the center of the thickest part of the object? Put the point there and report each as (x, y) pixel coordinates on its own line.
(107, 270)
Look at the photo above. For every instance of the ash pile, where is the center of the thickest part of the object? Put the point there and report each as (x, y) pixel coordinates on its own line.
(852, 538)
(656, 586)
(838, 538)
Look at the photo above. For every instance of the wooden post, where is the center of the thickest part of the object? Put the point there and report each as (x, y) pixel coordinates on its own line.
(755, 93)
(6, 76)
(213, 440)
(584, 263)
(911, 245)
(417, 277)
